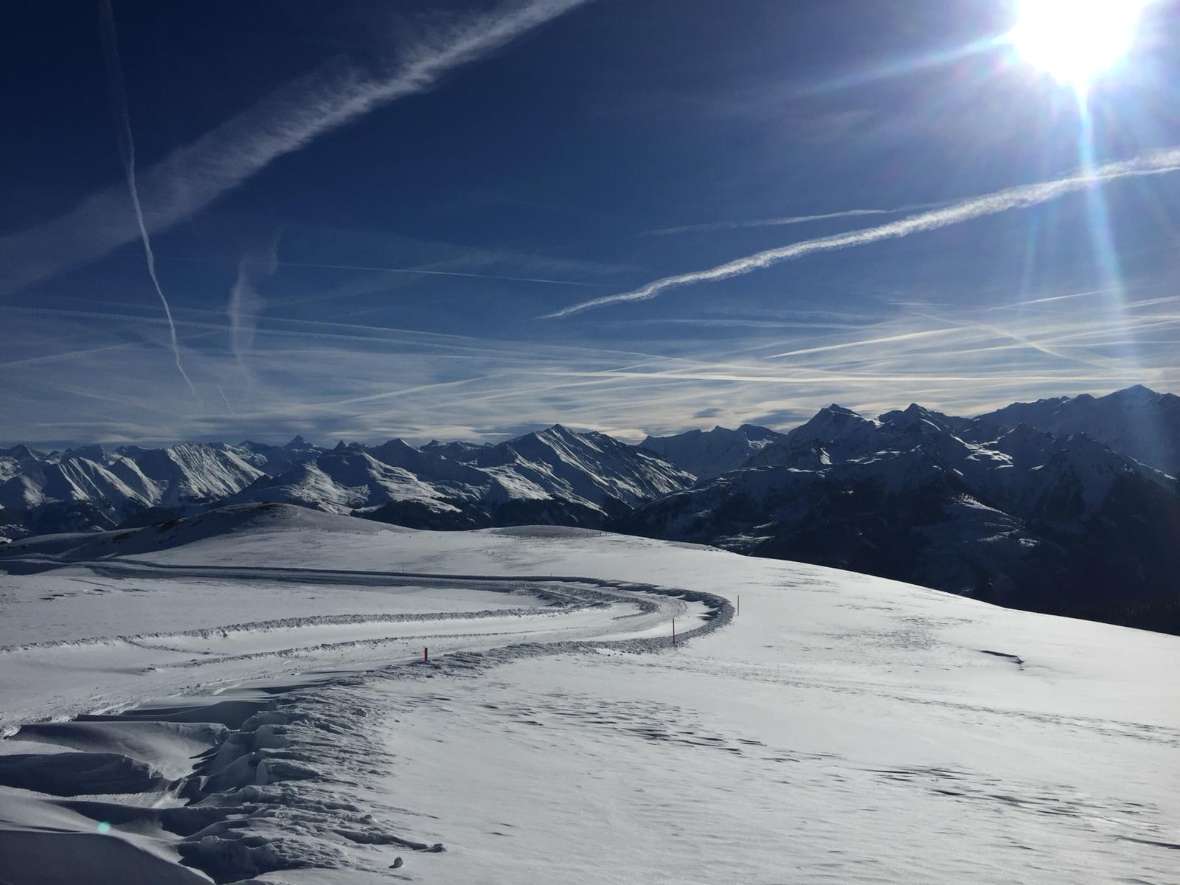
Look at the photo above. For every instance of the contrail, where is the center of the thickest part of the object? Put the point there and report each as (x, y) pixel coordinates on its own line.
(110, 45)
(888, 339)
(195, 175)
(1022, 197)
(782, 222)
(436, 273)
(225, 400)
(245, 301)
(1018, 304)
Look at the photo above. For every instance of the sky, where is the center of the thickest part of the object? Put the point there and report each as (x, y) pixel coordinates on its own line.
(368, 220)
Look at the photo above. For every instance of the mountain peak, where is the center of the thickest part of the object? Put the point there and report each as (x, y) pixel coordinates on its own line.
(837, 409)
(560, 431)
(834, 415)
(395, 442)
(830, 424)
(757, 430)
(94, 452)
(1136, 391)
(911, 416)
(20, 451)
(297, 442)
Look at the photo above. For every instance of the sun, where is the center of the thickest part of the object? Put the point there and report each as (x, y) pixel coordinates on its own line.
(1076, 41)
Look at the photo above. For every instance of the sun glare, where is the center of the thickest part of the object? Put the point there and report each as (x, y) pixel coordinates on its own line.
(1076, 41)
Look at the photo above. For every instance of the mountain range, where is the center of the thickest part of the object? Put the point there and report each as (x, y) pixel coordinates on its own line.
(1068, 505)
(554, 476)
(1136, 421)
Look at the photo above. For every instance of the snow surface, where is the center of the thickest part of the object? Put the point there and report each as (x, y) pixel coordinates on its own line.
(838, 728)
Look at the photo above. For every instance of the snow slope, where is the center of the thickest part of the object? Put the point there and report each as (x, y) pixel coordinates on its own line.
(838, 728)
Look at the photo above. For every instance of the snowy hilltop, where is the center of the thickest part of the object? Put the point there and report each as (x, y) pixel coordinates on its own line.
(243, 696)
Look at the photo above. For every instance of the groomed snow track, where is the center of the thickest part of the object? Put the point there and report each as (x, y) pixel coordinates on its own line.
(264, 792)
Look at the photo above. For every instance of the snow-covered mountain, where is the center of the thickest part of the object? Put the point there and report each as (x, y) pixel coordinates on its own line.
(1017, 516)
(93, 488)
(591, 468)
(709, 453)
(351, 479)
(554, 476)
(1136, 421)
(275, 459)
(190, 472)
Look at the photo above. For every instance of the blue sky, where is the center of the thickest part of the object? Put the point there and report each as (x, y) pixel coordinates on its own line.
(374, 220)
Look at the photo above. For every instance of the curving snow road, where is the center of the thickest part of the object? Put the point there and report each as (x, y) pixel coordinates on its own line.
(285, 621)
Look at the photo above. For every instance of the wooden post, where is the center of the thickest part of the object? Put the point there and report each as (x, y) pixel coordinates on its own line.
(425, 655)
(739, 605)
(673, 631)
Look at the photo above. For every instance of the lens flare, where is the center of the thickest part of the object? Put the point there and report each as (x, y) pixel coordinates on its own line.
(1076, 41)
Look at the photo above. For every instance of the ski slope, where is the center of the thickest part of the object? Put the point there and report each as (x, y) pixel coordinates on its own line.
(264, 716)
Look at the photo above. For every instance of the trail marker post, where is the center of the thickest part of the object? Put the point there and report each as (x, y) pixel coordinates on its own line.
(673, 632)
(425, 655)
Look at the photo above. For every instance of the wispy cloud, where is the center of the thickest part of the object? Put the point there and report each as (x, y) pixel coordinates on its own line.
(110, 45)
(422, 271)
(782, 222)
(844, 345)
(1092, 293)
(330, 380)
(246, 302)
(1022, 197)
(193, 176)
